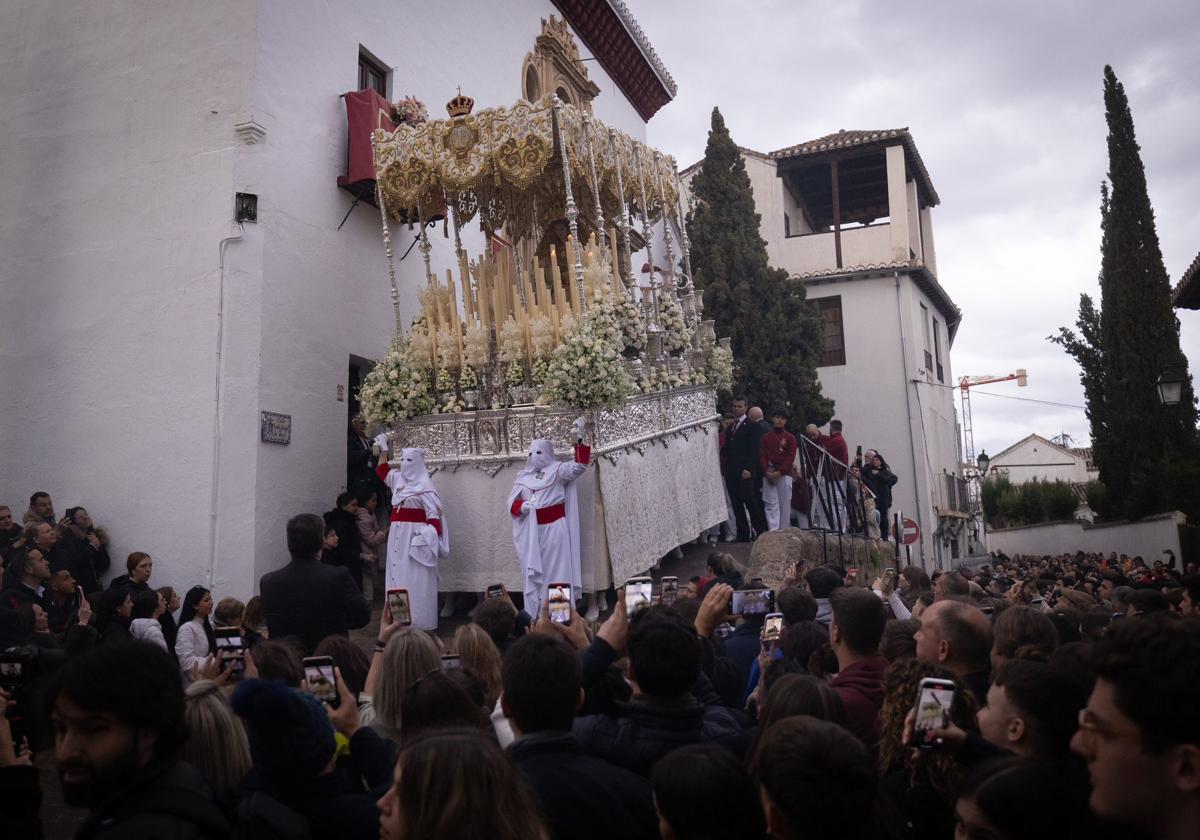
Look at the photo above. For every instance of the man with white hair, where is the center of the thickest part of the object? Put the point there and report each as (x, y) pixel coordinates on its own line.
(417, 537)
(545, 514)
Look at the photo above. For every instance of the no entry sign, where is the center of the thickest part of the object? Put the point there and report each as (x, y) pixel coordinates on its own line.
(909, 533)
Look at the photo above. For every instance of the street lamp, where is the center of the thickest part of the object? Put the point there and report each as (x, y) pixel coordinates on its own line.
(982, 462)
(1170, 387)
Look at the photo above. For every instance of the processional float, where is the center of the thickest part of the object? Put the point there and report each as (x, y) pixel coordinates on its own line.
(551, 322)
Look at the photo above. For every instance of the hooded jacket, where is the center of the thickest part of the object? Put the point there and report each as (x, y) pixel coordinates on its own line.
(860, 687)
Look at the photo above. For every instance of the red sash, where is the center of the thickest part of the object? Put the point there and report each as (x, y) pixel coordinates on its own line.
(406, 514)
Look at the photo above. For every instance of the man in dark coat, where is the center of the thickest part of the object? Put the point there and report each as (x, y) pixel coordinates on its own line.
(343, 520)
(581, 796)
(307, 599)
(743, 472)
(664, 713)
(118, 755)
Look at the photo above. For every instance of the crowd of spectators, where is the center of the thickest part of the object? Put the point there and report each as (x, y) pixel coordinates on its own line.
(1071, 684)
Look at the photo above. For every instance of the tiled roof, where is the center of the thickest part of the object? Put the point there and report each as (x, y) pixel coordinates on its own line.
(1186, 294)
(856, 137)
(610, 31)
(1085, 452)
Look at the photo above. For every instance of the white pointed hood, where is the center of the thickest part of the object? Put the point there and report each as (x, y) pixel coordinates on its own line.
(413, 473)
(541, 455)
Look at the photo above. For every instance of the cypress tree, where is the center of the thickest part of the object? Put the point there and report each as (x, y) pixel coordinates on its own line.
(1146, 452)
(776, 333)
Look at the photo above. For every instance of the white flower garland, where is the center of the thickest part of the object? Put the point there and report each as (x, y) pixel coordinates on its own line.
(633, 329)
(396, 388)
(475, 347)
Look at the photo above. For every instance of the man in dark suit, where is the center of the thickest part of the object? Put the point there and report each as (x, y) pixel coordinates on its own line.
(307, 599)
(743, 473)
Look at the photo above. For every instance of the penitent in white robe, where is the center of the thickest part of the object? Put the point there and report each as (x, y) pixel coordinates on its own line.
(414, 547)
(549, 551)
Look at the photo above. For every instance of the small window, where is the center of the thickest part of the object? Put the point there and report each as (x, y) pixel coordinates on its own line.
(937, 349)
(925, 327)
(372, 75)
(835, 335)
(787, 225)
(532, 89)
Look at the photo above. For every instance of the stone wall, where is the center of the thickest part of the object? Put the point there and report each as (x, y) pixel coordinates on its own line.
(776, 552)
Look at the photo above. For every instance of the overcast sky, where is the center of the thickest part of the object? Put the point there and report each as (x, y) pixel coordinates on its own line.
(1005, 103)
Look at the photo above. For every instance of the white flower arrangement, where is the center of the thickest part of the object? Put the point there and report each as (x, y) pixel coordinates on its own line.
(511, 342)
(718, 368)
(396, 388)
(675, 338)
(468, 380)
(633, 328)
(602, 318)
(586, 371)
(541, 370)
(444, 381)
(515, 376)
(475, 347)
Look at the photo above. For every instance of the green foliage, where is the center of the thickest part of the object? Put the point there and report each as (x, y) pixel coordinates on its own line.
(1099, 501)
(1147, 453)
(1007, 505)
(775, 331)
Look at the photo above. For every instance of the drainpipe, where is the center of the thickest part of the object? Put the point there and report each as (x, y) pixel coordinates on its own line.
(218, 381)
(912, 446)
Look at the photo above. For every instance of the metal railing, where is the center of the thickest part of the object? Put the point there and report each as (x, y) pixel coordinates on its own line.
(836, 498)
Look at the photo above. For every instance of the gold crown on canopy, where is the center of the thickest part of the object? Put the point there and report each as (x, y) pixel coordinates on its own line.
(460, 105)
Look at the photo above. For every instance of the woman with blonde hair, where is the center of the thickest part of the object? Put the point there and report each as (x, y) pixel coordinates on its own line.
(216, 743)
(402, 656)
(478, 657)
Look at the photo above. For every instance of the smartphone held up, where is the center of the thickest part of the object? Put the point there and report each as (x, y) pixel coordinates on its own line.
(398, 606)
(559, 601)
(321, 680)
(934, 700)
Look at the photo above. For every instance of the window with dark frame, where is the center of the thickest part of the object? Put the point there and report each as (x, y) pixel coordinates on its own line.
(937, 349)
(372, 75)
(835, 334)
(925, 326)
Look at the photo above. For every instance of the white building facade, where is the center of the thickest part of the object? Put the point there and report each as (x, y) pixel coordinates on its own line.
(850, 216)
(1036, 457)
(144, 332)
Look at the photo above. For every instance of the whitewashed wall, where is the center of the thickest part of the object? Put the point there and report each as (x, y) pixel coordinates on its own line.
(121, 163)
(1147, 538)
(1041, 460)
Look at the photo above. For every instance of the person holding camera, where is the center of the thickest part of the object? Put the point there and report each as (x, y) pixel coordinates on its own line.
(82, 545)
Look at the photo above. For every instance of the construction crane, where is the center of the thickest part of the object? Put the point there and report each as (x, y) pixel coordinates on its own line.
(965, 384)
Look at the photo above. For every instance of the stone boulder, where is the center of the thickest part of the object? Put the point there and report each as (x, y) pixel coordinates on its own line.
(774, 553)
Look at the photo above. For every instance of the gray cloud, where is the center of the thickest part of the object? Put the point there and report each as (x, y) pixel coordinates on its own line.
(1005, 103)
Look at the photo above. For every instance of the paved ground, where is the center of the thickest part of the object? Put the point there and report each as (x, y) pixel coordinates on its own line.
(61, 821)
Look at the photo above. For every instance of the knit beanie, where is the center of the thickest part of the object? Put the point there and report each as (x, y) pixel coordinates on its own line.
(291, 738)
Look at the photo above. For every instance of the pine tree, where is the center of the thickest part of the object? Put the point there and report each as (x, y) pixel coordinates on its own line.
(1146, 452)
(775, 331)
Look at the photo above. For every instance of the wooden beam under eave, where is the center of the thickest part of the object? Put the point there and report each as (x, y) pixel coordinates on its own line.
(837, 212)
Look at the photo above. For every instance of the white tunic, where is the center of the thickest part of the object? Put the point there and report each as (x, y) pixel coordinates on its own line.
(549, 552)
(413, 548)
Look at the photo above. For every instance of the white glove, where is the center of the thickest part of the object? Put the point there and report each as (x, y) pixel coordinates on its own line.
(526, 508)
(578, 426)
(381, 441)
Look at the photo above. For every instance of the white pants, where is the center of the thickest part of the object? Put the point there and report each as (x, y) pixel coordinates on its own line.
(777, 502)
